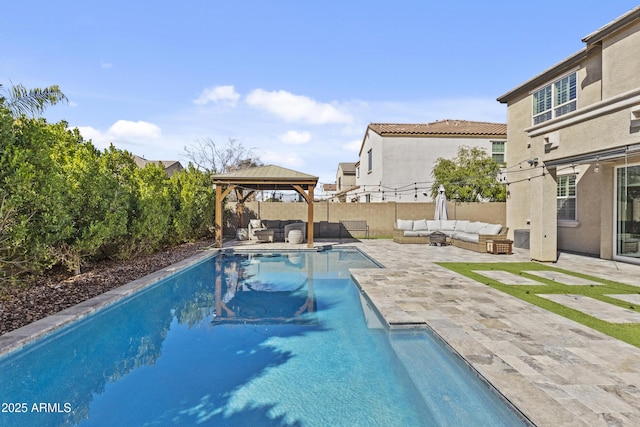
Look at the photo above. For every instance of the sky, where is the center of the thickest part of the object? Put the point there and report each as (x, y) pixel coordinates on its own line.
(297, 82)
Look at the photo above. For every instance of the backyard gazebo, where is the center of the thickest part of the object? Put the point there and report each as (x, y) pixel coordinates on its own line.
(267, 178)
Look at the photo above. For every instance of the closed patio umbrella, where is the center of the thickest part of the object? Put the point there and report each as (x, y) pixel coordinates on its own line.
(441, 204)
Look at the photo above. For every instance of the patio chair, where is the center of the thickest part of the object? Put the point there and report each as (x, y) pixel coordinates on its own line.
(255, 225)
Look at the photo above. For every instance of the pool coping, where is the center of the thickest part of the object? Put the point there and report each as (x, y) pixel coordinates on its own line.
(18, 338)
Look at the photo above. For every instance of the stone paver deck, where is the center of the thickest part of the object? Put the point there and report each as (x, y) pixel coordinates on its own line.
(556, 371)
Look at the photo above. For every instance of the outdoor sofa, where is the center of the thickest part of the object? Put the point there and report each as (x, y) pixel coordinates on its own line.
(280, 228)
(472, 235)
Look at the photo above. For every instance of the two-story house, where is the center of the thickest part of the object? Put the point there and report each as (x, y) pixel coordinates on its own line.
(573, 151)
(345, 180)
(396, 160)
(170, 166)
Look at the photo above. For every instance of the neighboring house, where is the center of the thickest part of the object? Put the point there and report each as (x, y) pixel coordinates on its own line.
(328, 191)
(345, 181)
(573, 151)
(396, 160)
(170, 166)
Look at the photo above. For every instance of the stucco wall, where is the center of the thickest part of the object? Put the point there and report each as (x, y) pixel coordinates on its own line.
(380, 216)
(402, 164)
(621, 62)
(583, 235)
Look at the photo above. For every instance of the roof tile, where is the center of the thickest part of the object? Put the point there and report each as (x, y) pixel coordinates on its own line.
(441, 127)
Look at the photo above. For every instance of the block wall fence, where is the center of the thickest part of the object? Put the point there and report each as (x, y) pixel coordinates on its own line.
(380, 217)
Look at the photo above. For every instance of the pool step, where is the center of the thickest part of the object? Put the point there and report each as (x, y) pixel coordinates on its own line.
(453, 393)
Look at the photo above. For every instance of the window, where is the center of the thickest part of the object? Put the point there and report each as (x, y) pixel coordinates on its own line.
(555, 99)
(567, 197)
(370, 160)
(497, 151)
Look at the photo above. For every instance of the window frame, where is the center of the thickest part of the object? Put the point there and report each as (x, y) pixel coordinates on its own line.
(556, 98)
(370, 160)
(571, 190)
(502, 153)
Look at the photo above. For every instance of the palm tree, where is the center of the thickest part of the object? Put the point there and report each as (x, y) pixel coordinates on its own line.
(21, 100)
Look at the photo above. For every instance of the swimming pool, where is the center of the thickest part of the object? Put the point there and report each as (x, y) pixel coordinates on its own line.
(280, 339)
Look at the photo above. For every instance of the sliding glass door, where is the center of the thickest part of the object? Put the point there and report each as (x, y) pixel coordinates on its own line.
(627, 233)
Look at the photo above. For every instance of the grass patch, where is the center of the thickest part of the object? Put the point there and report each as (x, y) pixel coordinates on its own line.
(627, 332)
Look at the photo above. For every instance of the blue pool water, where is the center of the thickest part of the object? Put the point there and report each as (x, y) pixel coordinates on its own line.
(245, 340)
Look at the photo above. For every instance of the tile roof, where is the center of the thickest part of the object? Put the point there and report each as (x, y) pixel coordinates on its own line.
(268, 172)
(347, 168)
(441, 127)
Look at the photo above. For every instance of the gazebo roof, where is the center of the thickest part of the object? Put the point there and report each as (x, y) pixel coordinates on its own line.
(265, 177)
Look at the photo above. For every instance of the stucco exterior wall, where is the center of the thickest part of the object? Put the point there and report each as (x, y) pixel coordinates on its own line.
(621, 61)
(401, 164)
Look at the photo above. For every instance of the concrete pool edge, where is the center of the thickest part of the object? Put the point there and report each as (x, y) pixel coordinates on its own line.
(18, 338)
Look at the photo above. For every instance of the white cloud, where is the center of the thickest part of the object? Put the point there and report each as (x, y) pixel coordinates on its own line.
(99, 139)
(287, 159)
(122, 132)
(218, 94)
(293, 108)
(127, 130)
(105, 65)
(353, 146)
(295, 137)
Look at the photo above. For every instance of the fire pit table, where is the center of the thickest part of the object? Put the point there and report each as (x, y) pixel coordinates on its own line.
(437, 238)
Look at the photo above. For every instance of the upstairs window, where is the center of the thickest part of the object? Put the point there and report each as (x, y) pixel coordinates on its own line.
(370, 160)
(497, 152)
(566, 197)
(555, 99)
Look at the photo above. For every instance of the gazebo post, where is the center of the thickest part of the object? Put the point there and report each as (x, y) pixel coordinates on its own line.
(220, 195)
(310, 217)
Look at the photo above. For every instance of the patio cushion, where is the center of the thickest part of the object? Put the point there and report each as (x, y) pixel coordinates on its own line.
(474, 226)
(448, 224)
(411, 233)
(270, 223)
(420, 225)
(461, 224)
(404, 224)
(467, 237)
(434, 225)
(490, 229)
(255, 223)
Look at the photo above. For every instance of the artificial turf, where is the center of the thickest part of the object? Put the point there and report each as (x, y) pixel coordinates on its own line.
(627, 332)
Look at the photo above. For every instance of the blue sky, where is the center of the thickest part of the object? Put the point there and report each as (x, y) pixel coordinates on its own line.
(297, 81)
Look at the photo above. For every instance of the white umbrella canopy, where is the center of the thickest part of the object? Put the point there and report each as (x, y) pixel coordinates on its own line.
(441, 204)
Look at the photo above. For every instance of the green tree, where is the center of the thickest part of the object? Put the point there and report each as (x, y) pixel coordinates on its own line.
(20, 100)
(194, 204)
(98, 197)
(32, 191)
(472, 175)
(151, 217)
